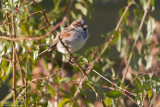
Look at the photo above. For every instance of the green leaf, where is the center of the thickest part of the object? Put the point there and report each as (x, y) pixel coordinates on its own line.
(154, 77)
(108, 101)
(116, 37)
(155, 84)
(114, 94)
(83, 92)
(149, 92)
(146, 77)
(35, 54)
(147, 87)
(58, 79)
(50, 89)
(81, 8)
(82, 60)
(125, 19)
(158, 57)
(135, 60)
(65, 80)
(153, 2)
(46, 63)
(149, 60)
(137, 83)
(150, 29)
(64, 101)
(95, 86)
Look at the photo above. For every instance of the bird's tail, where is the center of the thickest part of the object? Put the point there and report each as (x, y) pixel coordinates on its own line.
(55, 41)
(44, 52)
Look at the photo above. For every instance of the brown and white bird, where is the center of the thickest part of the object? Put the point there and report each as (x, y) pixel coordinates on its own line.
(73, 37)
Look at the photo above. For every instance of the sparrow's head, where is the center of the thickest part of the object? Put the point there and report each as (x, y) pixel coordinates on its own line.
(79, 24)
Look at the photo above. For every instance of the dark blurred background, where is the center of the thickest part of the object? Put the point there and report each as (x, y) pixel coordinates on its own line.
(104, 18)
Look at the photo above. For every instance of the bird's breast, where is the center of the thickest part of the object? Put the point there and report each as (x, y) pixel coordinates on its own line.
(74, 42)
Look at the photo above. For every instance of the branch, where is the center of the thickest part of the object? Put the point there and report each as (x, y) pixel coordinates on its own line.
(105, 47)
(9, 60)
(135, 42)
(14, 64)
(82, 70)
(26, 81)
(20, 67)
(42, 12)
(74, 59)
(4, 22)
(29, 38)
(112, 83)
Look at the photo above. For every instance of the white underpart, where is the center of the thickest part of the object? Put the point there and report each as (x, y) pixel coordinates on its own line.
(74, 42)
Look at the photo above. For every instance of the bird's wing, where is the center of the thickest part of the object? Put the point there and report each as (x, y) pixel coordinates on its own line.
(65, 33)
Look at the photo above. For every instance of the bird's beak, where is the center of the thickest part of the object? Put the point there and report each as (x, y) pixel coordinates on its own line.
(85, 26)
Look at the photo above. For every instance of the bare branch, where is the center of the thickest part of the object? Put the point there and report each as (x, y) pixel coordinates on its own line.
(135, 42)
(82, 70)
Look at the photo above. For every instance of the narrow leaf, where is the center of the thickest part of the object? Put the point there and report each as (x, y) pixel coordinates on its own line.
(64, 101)
(64, 80)
(114, 94)
(50, 89)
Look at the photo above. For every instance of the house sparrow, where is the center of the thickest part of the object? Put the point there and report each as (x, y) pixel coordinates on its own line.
(73, 37)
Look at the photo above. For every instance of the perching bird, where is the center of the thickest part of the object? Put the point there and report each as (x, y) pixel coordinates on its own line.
(73, 37)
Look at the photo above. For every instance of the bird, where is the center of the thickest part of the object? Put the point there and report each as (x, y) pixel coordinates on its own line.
(73, 37)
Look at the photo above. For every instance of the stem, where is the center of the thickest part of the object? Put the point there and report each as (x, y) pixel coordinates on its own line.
(26, 82)
(20, 67)
(106, 45)
(31, 38)
(13, 60)
(116, 29)
(42, 12)
(14, 63)
(82, 70)
(135, 42)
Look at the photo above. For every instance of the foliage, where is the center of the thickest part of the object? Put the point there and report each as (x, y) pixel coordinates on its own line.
(26, 29)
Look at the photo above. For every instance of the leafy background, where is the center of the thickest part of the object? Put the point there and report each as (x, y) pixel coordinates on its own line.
(120, 58)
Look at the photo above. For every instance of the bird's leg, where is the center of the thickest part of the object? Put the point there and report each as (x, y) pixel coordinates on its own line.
(72, 60)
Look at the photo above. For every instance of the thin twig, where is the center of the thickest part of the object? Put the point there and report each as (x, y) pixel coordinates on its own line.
(22, 18)
(14, 60)
(26, 80)
(42, 12)
(14, 64)
(73, 58)
(7, 60)
(135, 42)
(111, 39)
(154, 72)
(29, 38)
(79, 86)
(156, 67)
(4, 22)
(24, 2)
(116, 29)
(106, 44)
(82, 70)
(36, 80)
(69, 8)
(20, 67)
(112, 82)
